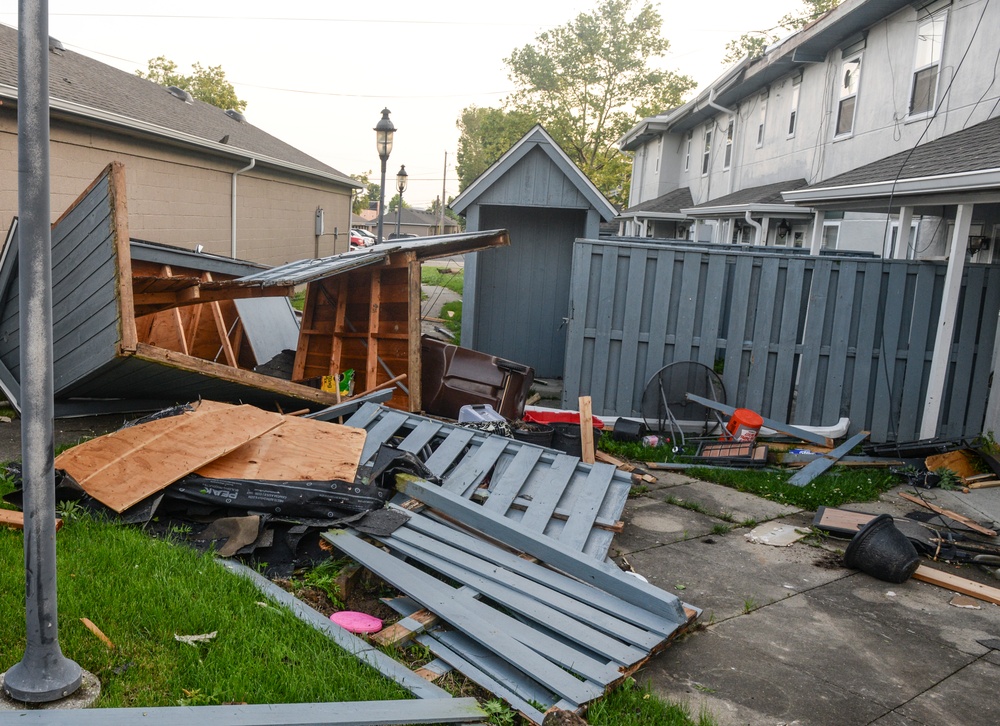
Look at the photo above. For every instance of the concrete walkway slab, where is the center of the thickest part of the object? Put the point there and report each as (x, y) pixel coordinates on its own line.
(652, 523)
(959, 698)
(729, 504)
(727, 575)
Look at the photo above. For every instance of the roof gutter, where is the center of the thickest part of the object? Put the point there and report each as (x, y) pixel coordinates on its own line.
(226, 150)
(232, 228)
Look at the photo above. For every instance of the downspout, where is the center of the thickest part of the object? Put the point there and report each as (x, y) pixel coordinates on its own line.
(232, 241)
(756, 225)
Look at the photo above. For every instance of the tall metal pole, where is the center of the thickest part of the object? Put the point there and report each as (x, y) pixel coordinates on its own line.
(399, 212)
(381, 200)
(43, 674)
(444, 188)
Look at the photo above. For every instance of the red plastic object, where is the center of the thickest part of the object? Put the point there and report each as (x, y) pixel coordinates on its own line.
(744, 425)
(550, 417)
(355, 622)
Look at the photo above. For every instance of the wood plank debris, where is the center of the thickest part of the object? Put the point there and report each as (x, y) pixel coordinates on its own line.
(841, 521)
(960, 518)
(15, 520)
(124, 467)
(89, 625)
(586, 430)
(957, 584)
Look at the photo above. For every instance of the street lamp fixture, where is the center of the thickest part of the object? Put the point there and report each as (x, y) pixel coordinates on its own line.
(400, 187)
(383, 143)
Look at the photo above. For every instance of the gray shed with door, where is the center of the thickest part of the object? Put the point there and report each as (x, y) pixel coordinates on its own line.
(516, 298)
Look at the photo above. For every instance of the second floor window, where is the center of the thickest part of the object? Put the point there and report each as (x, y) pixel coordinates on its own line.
(706, 155)
(659, 153)
(761, 116)
(927, 62)
(728, 159)
(793, 106)
(850, 77)
(687, 150)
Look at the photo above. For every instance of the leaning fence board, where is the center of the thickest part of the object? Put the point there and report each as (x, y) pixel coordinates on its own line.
(581, 519)
(381, 432)
(823, 462)
(552, 552)
(547, 492)
(128, 465)
(417, 439)
(463, 615)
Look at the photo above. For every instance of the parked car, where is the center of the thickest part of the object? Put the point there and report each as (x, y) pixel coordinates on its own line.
(368, 239)
(402, 235)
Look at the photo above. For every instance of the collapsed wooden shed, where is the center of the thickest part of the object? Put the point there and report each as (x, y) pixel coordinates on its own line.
(153, 323)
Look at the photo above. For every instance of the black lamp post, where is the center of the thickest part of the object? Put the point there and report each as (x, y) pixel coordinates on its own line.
(383, 142)
(400, 187)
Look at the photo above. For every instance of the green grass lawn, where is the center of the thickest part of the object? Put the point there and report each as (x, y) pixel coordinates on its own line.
(141, 592)
(451, 278)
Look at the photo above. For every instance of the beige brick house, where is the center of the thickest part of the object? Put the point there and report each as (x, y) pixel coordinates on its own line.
(191, 168)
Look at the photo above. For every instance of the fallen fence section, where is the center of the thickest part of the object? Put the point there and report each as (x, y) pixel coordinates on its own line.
(557, 629)
(575, 503)
(356, 713)
(805, 340)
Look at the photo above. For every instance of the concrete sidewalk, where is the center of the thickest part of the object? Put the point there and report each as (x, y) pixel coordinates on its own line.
(790, 636)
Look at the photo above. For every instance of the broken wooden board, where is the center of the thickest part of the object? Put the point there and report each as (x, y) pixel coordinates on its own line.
(811, 471)
(128, 465)
(960, 461)
(586, 430)
(957, 584)
(298, 450)
(841, 521)
(15, 520)
(961, 519)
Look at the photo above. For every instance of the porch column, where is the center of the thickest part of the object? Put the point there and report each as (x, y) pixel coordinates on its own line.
(764, 225)
(902, 251)
(816, 243)
(946, 322)
(696, 230)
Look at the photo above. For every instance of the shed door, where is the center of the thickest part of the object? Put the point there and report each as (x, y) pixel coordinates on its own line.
(522, 291)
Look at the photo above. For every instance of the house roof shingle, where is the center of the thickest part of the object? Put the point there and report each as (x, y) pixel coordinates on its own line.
(766, 194)
(81, 80)
(671, 202)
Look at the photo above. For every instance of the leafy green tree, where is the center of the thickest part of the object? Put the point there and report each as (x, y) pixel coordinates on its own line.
(205, 84)
(587, 82)
(393, 204)
(365, 196)
(754, 43)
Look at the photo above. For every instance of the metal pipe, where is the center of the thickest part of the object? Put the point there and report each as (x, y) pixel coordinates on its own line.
(381, 200)
(43, 674)
(757, 226)
(232, 242)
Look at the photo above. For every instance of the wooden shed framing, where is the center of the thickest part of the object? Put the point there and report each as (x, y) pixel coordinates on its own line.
(516, 301)
(141, 321)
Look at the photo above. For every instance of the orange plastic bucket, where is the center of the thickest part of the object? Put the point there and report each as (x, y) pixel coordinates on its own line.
(744, 425)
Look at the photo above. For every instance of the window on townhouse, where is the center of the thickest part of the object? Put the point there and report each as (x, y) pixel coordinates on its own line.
(831, 235)
(728, 158)
(927, 60)
(659, 150)
(687, 149)
(850, 76)
(761, 116)
(706, 155)
(793, 106)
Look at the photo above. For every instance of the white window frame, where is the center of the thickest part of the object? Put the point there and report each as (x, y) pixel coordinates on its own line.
(892, 239)
(706, 154)
(687, 149)
(659, 153)
(836, 241)
(937, 13)
(793, 110)
(848, 90)
(727, 159)
(761, 119)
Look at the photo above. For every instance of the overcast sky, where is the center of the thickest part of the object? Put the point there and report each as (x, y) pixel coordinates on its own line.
(317, 74)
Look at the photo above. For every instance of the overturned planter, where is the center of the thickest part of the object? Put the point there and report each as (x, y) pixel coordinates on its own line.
(882, 551)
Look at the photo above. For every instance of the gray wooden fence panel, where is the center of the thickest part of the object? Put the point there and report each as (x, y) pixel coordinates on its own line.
(802, 339)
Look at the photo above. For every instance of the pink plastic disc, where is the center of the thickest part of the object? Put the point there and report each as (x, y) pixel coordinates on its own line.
(356, 622)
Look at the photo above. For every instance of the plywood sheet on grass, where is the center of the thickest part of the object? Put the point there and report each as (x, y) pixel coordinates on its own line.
(126, 466)
(299, 450)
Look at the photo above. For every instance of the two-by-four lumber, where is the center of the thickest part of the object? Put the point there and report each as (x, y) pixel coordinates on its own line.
(402, 630)
(15, 520)
(961, 519)
(778, 426)
(586, 430)
(957, 584)
(546, 549)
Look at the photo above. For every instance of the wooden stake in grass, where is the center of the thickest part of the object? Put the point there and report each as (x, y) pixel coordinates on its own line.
(98, 632)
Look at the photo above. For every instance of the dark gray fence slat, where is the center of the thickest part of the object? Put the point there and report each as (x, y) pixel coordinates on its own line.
(963, 347)
(602, 338)
(687, 304)
(588, 502)
(471, 471)
(732, 375)
(711, 316)
(449, 450)
(628, 365)
(364, 416)
(812, 341)
(836, 369)
(918, 346)
(784, 365)
(381, 432)
(865, 360)
(657, 348)
(984, 355)
(506, 486)
(576, 329)
(761, 342)
(887, 340)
